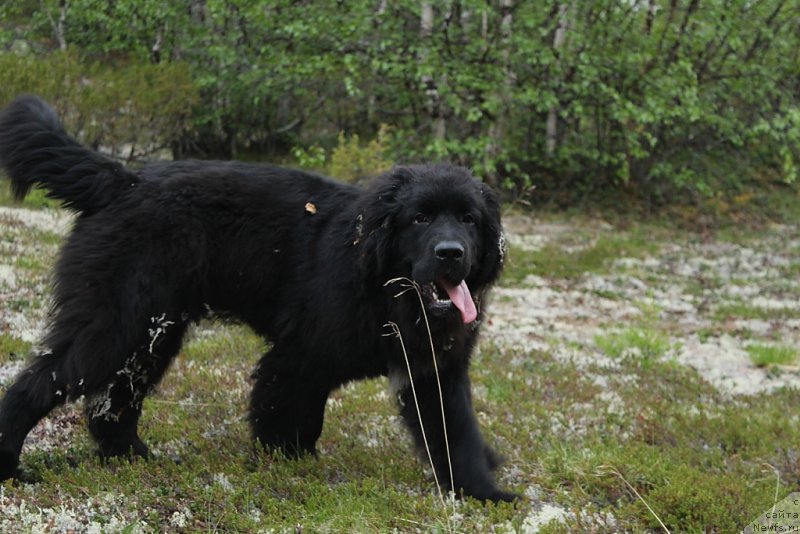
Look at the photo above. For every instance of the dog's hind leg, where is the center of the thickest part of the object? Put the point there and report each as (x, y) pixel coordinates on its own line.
(287, 405)
(37, 390)
(88, 362)
(113, 414)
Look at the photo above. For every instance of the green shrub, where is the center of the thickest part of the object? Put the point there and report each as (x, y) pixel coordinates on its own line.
(313, 157)
(690, 499)
(134, 109)
(352, 160)
(677, 102)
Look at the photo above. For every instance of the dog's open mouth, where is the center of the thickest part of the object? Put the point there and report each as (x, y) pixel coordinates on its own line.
(442, 295)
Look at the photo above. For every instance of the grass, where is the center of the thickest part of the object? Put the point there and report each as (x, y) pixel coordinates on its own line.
(678, 460)
(644, 344)
(601, 425)
(771, 355)
(742, 310)
(553, 260)
(36, 199)
(12, 348)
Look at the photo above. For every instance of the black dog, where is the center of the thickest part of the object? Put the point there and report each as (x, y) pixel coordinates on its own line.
(303, 260)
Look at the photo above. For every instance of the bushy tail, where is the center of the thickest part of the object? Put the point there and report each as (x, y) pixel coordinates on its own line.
(35, 149)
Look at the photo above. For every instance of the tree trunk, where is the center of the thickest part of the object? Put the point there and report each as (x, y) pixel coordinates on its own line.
(497, 130)
(58, 25)
(434, 102)
(551, 126)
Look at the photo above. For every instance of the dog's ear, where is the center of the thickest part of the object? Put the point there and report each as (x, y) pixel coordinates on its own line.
(375, 219)
(493, 240)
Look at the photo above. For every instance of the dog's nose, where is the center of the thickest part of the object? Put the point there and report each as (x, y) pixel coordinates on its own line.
(449, 251)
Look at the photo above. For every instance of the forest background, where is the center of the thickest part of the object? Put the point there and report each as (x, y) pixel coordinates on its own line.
(662, 102)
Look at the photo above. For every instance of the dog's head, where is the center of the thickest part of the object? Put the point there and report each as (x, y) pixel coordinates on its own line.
(438, 226)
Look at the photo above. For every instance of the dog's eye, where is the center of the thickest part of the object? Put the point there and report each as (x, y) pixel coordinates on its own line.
(421, 218)
(467, 218)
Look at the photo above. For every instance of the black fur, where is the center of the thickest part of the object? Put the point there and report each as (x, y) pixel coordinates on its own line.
(301, 259)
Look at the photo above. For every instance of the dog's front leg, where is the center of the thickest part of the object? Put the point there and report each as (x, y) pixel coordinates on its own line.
(470, 460)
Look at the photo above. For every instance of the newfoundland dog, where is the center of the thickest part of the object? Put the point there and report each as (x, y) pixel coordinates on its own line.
(345, 283)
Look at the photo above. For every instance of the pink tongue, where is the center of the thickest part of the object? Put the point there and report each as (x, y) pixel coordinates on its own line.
(460, 296)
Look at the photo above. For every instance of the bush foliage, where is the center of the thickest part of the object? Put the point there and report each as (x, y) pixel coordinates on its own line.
(132, 111)
(660, 99)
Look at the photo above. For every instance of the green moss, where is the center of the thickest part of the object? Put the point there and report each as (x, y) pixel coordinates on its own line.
(35, 199)
(610, 295)
(223, 339)
(742, 310)
(12, 348)
(791, 271)
(554, 261)
(767, 355)
(691, 499)
(639, 343)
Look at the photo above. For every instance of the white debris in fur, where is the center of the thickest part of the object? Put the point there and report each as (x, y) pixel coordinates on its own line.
(359, 229)
(502, 247)
(100, 406)
(133, 370)
(161, 328)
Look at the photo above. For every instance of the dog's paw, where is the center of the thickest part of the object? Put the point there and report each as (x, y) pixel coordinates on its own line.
(493, 495)
(133, 448)
(497, 496)
(493, 459)
(9, 462)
